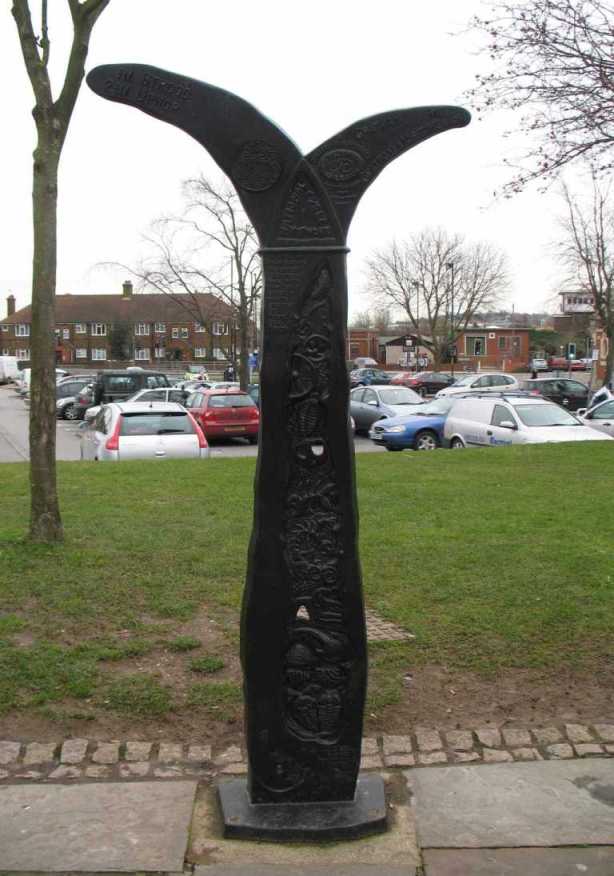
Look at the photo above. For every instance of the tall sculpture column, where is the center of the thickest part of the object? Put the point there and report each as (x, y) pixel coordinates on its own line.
(303, 639)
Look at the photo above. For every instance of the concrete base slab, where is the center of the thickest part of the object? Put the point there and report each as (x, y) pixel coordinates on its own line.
(396, 849)
(592, 861)
(511, 805)
(118, 827)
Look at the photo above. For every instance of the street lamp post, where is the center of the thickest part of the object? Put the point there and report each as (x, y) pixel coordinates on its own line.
(450, 267)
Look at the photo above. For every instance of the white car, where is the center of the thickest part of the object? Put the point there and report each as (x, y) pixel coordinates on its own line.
(482, 382)
(143, 430)
(601, 417)
(481, 421)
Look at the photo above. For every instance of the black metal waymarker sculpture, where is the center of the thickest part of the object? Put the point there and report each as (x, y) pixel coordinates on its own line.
(303, 641)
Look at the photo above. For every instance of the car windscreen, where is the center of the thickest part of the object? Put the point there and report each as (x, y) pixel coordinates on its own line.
(156, 423)
(465, 381)
(400, 396)
(231, 401)
(545, 415)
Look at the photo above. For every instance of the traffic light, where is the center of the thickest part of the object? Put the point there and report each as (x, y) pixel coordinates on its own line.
(571, 351)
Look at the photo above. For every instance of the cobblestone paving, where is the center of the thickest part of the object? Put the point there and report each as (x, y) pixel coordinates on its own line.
(380, 630)
(83, 759)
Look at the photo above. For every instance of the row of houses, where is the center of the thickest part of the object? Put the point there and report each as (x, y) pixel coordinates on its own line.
(144, 327)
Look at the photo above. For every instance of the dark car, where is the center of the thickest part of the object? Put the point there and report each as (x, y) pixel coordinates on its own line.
(368, 376)
(570, 394)
(425, 382)
(117, 386)
(371, 403)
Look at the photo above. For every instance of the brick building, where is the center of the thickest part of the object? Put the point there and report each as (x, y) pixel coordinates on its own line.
(490, 348)
(93, 329)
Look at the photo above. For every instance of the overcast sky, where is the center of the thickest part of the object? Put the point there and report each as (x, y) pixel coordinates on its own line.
(313, 73)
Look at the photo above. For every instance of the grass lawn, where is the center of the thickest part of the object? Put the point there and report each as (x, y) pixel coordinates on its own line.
(496, 560)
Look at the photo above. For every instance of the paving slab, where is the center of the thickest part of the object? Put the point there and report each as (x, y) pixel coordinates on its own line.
(593, 861)
(546, 803)
(118, 827)
(276, 870)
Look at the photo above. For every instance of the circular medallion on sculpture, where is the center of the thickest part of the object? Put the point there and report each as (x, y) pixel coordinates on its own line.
(258, 167)
(341, 165)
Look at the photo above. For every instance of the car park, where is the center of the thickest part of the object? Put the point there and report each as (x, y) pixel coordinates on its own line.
(481, 382)
(514, 418)
(571, 394)
(420, 430)
(424, 382)
(225, 413)
(601, 417)
(138, 430)
(369, 376)
(371, 403)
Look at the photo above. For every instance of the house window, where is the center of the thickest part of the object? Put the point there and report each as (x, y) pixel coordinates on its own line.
(143, 353)
(475, 346)
(81, 328)
(5, 328)
(159, 352)
(502, 342)
(22, 354)
(184, 332)
(175, 332)
(99, 328)
(219, 354)
(99, 353)
(160, 328)
(218, 328)
(22, 331)
(141, 328)
(200, 353)
(6, 352)
(81, 353)
(66, 334)
(199, 327)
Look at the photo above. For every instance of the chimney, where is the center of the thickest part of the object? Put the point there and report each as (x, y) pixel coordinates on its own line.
(127, 289)
(10, 305)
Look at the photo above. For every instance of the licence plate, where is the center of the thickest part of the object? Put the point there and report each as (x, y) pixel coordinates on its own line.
(234, 429)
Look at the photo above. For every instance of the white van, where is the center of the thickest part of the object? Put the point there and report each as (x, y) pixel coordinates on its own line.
(8, 368)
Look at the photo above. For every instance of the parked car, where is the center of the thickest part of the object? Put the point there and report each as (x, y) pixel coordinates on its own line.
(371, 403)
(118, 385)
(570, 393)
(363, 362)
(424, 382)
(484, 381)
(369, 376)
(225, 413)
(138, 430)
(8, 369)
(486, 421)
(562, 363)
(538, 364)
(66, 394)
(420, 430)
(601, 417)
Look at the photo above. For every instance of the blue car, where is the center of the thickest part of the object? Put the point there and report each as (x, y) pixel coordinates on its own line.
(422, 430)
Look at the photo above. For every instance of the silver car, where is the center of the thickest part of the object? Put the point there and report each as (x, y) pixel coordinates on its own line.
(480, 421)
(601, 417)
(143, 430)
(492, 381)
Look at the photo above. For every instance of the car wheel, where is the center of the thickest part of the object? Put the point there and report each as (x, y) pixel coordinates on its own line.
(457, 444)
(70, 412)
(426, 441)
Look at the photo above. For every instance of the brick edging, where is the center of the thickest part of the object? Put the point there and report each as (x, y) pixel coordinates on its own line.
(87, 759)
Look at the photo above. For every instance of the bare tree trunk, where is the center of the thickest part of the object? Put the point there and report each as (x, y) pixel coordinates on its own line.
(244, 361)
(45, 520)
(609, 362)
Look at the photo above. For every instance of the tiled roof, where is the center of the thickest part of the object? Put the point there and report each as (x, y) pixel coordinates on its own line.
(138, 307)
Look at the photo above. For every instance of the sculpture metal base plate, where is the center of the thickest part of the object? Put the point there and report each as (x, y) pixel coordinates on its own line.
(281, 822)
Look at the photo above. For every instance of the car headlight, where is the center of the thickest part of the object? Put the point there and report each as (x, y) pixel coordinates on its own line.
(394, 428)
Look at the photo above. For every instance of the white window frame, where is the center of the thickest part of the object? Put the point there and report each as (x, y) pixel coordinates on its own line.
(5, 328)
(199, 327)
(175, 332)
(142, 354)
(65, 334)
(99, 353)
(475, 338)
(5, 352)
(22, 354)
(141, 328)
(215, 328)
(81, 353)
(22, 330)
(159, 353)
(160, 328)
(99, 329)
(184, 332)
(200, 353)
(80, 328)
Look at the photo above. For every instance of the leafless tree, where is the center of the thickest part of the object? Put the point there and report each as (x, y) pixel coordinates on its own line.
(554, 64)
(211, 249)
(377, 319)
(51, 117)
(438, 282)
(587, 251)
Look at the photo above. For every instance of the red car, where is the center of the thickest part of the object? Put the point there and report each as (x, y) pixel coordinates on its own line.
(425, 382)
(225, 413)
